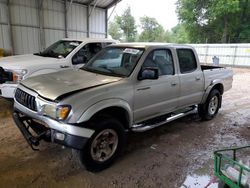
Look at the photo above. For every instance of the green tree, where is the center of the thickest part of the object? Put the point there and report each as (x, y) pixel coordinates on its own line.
(127, 24)
(114, 30)
(179, 34)
(169, 37)
(152, 31)
(215, 20)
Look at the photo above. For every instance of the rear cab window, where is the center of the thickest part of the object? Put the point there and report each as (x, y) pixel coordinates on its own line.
(187, 60)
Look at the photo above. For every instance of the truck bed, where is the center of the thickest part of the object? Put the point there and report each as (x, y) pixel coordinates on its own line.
(213, 73)
(207, 67)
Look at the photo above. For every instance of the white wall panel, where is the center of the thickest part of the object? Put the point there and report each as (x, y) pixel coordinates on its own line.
(228, 54)
(23, 13)
(3, 12)
(53, 12)
(25, 39)
(4, 37)
(77, 35)
(97, 21)
(52, 35)
(77, 18)
(4, 34)
(92, 35)
(24, 21)
(54, 25)
(26, 33)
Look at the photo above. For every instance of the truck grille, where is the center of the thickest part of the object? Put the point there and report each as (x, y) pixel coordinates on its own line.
(25, 99)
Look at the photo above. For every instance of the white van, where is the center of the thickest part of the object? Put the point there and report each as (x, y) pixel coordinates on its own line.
(63, 54)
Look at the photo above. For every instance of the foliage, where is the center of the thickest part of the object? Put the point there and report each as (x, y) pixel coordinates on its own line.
(152, 31)
(115, 31)
(179, 34)
(127, 24)
(215, 20)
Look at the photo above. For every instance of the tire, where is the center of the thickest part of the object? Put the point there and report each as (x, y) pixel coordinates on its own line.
(210, 108)
(94, 158)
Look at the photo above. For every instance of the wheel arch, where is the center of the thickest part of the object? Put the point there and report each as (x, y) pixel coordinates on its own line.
(215, 85)
(117, 108)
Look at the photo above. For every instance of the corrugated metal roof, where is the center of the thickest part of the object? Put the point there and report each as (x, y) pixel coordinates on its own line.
(98, 3)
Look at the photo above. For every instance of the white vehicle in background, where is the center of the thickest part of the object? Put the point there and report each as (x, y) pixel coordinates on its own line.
(63, 54)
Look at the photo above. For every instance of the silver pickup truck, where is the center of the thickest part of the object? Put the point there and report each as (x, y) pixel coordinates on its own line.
(125, 87)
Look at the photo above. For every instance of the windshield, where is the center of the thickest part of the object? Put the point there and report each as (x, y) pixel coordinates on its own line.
(59, 49)
(115, 61)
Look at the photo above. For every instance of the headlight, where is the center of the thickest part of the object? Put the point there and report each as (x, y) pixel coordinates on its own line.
(56, 112)
(17, 75)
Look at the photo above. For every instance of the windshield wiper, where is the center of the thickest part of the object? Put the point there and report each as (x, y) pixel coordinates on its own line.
(39, 54)
(48, 54)
(106, 71)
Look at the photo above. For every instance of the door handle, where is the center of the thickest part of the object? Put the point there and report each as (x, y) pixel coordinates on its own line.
(143, 88)
(64, 66)
(197, 78)
(173, 84)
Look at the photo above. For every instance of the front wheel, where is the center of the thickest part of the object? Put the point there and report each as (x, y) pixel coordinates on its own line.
(210, 108)
(104, 146)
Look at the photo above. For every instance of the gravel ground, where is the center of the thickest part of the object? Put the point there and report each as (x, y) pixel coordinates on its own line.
(179, 154)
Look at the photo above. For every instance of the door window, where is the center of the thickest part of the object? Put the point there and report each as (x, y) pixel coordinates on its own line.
(86, 53)
(161, 59)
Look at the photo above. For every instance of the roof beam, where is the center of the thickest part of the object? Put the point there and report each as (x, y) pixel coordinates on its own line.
(114, 2)
(93, 8)
(90, 2)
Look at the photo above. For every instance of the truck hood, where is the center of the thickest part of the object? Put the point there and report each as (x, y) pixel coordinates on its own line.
(25, 61)
(54, 85)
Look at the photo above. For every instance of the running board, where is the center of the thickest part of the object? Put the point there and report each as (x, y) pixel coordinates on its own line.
(145, 127)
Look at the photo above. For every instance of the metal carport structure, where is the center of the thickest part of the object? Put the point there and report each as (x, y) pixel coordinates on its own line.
(29, 26)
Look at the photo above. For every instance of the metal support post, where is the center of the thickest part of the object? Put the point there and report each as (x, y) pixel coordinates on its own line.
(10, 28)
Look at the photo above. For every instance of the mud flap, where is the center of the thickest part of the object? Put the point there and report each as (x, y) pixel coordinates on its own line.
(220, 101)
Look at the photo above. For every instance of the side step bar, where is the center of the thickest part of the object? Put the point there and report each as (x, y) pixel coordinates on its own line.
(146, 127)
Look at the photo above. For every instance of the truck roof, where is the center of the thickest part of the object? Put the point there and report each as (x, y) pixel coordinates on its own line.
(150, 44)
(91, 39)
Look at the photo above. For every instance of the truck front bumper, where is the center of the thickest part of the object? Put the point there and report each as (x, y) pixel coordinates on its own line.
(7, 90)
(35, 128)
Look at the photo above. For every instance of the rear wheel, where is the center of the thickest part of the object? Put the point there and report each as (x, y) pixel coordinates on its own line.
(104, 146)
(210, 108)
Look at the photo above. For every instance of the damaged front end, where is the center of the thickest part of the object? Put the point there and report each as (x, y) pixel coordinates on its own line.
(32, 131)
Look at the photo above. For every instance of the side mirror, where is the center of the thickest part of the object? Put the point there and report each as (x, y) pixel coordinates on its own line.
(149, 73)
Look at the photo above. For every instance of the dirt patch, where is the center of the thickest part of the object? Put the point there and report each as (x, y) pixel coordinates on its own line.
(163, 157)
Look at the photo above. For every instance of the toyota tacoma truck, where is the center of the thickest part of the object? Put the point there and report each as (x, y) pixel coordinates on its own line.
(63, 54)
(125, 87)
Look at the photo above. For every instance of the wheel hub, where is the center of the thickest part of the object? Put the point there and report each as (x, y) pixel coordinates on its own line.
(213, 105)
(104, 145)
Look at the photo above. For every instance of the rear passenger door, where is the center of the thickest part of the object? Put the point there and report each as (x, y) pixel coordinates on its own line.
(157, 97)
(191, 78)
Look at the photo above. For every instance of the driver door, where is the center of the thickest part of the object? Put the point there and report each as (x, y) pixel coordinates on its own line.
(157, 97)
